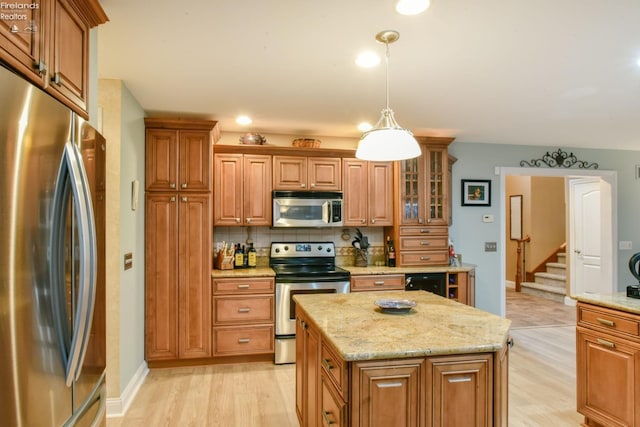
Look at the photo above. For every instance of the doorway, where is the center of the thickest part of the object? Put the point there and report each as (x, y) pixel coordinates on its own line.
(607, 180)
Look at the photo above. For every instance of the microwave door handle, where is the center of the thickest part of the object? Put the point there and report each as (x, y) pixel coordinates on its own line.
(326, 212)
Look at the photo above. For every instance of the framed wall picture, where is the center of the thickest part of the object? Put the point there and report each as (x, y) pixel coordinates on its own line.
(476, 192)
(515, 217)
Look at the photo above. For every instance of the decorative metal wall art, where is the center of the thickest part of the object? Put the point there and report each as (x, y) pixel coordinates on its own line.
(559, 159)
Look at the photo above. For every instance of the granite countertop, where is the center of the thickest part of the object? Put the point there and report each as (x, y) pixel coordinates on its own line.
(617, 301)
(268, 272)
(243, 272)
(371, 269)
(435, 326)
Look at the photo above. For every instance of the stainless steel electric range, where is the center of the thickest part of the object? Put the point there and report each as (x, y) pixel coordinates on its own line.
(301, 268)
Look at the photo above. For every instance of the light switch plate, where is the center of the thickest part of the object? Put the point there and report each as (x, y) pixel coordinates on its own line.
(490, 246)
(625, 245)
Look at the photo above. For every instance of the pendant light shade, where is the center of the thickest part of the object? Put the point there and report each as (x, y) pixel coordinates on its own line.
(387, 141)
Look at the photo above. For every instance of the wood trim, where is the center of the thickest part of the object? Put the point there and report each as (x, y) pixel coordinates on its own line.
(91, 12)
(267, 149)
(180, 124)
(219, 360)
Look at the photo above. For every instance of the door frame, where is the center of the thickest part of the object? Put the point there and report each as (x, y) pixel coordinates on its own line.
(611, 177)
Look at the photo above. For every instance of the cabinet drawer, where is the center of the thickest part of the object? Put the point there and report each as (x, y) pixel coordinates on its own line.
(333, 407)
(608, 319)
(335, 368)
(245, 309)
(384, 282)
(248, 285)
(243, 340)
(424, 258)
(428, 242)
(424, 231)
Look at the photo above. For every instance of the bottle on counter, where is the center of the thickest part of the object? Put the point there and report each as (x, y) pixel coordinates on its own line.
(245, 257)
(252, 256)
(391, 253)
(239, 257)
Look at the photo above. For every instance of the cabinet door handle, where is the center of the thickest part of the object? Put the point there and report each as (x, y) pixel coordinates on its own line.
(425, 230)
(248, 220)
(459, 379)
(364, 221)
(379, 283)
(184, 185)
(606, 322)
(389, 385)
(373, 221)
(56, 78)
(327, 420)
(244, 310)
(40, 67)
(420, 220)
(302, 185)
(244, 341)
(172, 198)
(172, 185)
(425, 258)
(243, 286)
(327, 364)
(313, 184)
(238, 220)
(184, 199)
(425, 243)
(606, 343)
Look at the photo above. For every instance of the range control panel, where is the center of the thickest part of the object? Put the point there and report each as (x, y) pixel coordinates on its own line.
(300, 249)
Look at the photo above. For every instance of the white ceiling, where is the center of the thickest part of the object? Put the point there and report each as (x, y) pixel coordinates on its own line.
(542, 72)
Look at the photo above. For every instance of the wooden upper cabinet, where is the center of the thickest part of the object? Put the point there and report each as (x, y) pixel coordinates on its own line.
(51, 47)
(425, 186)
(242, 189)
(306, 173)
(23, 48)
(178, 154)
(368, 193)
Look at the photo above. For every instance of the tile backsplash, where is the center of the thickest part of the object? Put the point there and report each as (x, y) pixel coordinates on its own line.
(340, 236)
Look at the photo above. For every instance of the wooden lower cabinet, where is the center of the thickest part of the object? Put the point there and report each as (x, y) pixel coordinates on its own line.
(388, 393)
(460, 390)
(608, 366)
(177, 270)
(463, 390)
(243, 316)
(377, 282)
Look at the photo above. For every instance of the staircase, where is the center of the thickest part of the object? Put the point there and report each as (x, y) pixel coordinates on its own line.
(550, 284)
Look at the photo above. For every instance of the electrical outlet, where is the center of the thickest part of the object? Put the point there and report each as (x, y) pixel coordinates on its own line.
(490, 246)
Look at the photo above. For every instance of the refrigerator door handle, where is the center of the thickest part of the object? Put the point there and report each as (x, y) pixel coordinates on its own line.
(72, 178)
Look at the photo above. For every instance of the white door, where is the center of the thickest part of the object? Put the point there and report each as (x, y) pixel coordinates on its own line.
(590, 236)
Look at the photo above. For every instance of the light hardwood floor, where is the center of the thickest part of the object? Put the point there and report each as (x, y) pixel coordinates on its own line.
(541, 382)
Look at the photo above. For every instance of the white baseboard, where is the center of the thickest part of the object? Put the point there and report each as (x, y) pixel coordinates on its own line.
(509, 284)
(117, 406)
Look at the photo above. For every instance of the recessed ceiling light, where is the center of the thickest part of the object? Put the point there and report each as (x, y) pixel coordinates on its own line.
(364, 127)
(243, 120)
(368, 59)
(412, 7)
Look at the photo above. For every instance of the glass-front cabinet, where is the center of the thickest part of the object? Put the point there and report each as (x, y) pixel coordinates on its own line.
(425, 185)
(423, 211)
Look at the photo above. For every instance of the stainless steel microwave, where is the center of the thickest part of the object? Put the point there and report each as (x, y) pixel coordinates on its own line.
(307, 209)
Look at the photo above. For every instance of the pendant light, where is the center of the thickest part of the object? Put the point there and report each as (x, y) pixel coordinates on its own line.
(387, 141)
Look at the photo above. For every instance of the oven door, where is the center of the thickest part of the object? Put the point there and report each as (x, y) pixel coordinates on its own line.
(286, 306)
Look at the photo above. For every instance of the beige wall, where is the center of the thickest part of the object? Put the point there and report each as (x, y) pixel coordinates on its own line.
(543, 219)
(232, 138)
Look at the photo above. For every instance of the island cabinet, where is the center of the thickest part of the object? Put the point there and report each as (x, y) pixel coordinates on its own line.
(368, 193)
(356, 375)
(608, 366)
(49, 45)
(243, 316)
(178, 224)
(242, 189)
(422, 213)
(307, 173)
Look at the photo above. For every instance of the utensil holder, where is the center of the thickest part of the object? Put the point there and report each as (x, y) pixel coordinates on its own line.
(360, 259)
(223, 263)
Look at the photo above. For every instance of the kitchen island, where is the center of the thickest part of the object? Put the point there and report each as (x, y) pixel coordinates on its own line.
(608, 359)
(440, 364)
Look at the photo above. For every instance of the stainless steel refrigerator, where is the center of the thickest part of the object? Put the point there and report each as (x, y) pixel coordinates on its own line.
(52, 275)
